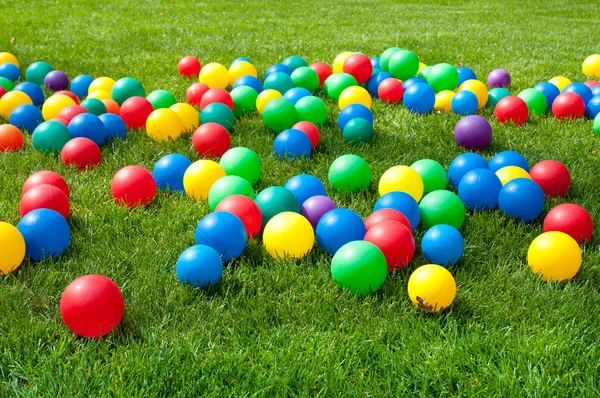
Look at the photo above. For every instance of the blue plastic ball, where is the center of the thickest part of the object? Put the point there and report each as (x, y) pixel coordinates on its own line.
(10, 71)
(596, 90)
(374, 82)
(376, 62)
(442, 245)
(26, 117)
(508, 158)
(241, 59)
(114, 125)
(479, 189)
(46, 234)
(80, 85)
(354, 111)
(224, 232)
(169, 170)
(89, 126)
(249, 81)
(413, 80)
(522, 199)
(593, 107)
(581, 90)
(419, 98)
(278, 81)
(33, 91)
(402, 202)
(338, 227)
(199, 266)
(464, 163)
(295, 94)
(278, 68)
(464, 103)
(305, 186)
(292, 143)
(549, 90)
(294, 62)
(465, 74)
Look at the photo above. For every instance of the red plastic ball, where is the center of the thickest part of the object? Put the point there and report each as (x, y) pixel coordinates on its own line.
(245, 209)
(589, 83)
(511, 109)
(189, 66)
(571, 219)
(552, 176)
(69, 112)
(323, 71)
(133, 186)
(395, 241)
(46, 177)
(195, 92)
(390, 90)
(216, 95)
(568, 106)
(2, 91)
(135, 112)
(359, 66)
(311, 131)
(111, 106)
(45, 196)
(92, 306)
(61, 120)
(211, 140)
(11, 138)
(70, 95)
(387, 215)
(81, 152)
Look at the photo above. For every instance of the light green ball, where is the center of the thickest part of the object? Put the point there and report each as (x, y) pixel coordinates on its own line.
(360, 267)
(442, 207)
(161, 99)
(404, 64)
(535, 100)
(228, 186)
(432, 173)
(349, 173)
(384, 60)
(279, 114)
(244, 100)
(306, 78)
(338, 82)
(242, 162)
(597, 124)
(442, 77)
(311, 109)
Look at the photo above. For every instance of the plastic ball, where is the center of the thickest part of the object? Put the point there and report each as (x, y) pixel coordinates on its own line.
(242, 162)
(568, 105)
(419, 98)
(11, 138)
(294, 62)
(560, 82)
(218, 113)
(80, 85)
(591, 66)
(464, 103)
(228, 186)
(442, 207)
(591, 84)
(311, 131)
(473, 132)
(464, 163)
(102, 83)
(2, 91)
(508, 158)
(50, 137)
(89, 126)
(239, 69)
(189, 66)
(81, 152)
(338, 82)
(552, 176)
(111, 106)
(46, 177)
(387, 214)
(432, 174)
(375, 61)
(114, 126)
(46, 234)
(246, 210)
(578, 88)
(349, 173)
(479, 189)
(403, 64)
(511, 109)
(443, 77)
(442, 245)
(10, 71)
(244, 100)
(443, 101)
(37, 71)
(358, 130)
(200, 177)
(216, 95)
(26, 117)
(56, 81)
(549, 90)
(200, 266)
(592, 108)
(402, 202)
(250, 81)
(375, 81)
(395, 241)
(275, 200)
(133, 186)
(431, 288)
(477, 88)
(403, 179)
(34, 92)
(214, 75)
(11, 100)
(6, 84)
(305, 186)
(288, 235)
(554, 256)
(338, 227)
(68, 113)
(265, 97)
(12, 246)
(211, 140)
(354, 95)
(168, 172)
(390, 90)
(509, 173)
(278, 68)
(384, 59)
(279, 114)
(535, 100)
(6, 57)
(311, 109)
(359, 66)
(315, 207)
(161, 99)
(413, 80)
(94, 106)
(360, 267)
(522, 199)
(306, 78)
(354, 111)
(224, 232)
(323, 72)
(571, 219)
(188, 115)
(495, 95)
(295, 94)
(126, 88)
(278, 81)
(498, 78)
(597, 125)
(195, 92)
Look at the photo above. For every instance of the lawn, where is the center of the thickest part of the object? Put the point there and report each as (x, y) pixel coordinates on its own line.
(279, 328)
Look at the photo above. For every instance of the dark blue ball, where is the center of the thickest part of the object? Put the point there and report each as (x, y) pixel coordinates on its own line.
(278, 68)
(549, 90)
(199, 266)
(479, 189)
(464, 163)
(465, 74)
(464, 103)
(169, 170)
(114, 125)
(338, 227)
(305, 186)
(224, 232)
(10, 71)
(249, 81)
(80, 85)
(508, 158)
(593, 107)
(413, 80)
(374, 82)
(402, 202)
(33, 91)
(522, 199)
(581, 90)
(26, 117)
(295, 94)
(89, 126)
(419, 98)
(46, 234)
(442, 245)
(292, 143)
(354, 111)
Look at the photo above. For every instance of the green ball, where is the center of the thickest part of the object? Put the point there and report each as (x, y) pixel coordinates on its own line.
(495, 95)
(338, 82)
(94, 106)
(443, 77)
(128, 87)
(218, 113)
(311, 109)
(37, 71)
(442, 207)
(306, 78)
(244, 100)
(535, 100)
(278, 81)
(360, 267)
(7, 84)
(242, 162)
(227, 186)
(432, 173)
(161, 99)
(597, 124)
(384, 60)
(349, 173)
(404, 64)
(294, 62)
(424, 74)
(50, 137)
(274, 200)
(358, 130)
(279, 114)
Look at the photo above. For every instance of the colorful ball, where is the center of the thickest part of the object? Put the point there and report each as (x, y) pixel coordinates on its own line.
(242, 162)
(354, 111)
(403, 64)
(195, 92)
(305, 186)
(34, 92)
(200, 177)
(244, 100)
(509, 173)
(442, 245)
(239, 69)
(432, 173)
(431, 288)
(50, 137)
(550, 92)
(11, 138)
(305, 77)
(89, 126)
(250, 81)
(275, 200)
(464, 103)
(133, 186)
(37, 71)
(46, 177)
(46, 234)
(81, 152)
(390, 90)
(135, 112)
(384, 59)
(200, 266)
(498, 78)
(218, 113)
(442, 77)
(349, 173)
(568, 105)
(403, 179)
(93, 106)
(360, 267)
(323, 72)
(188, 115)
(402, 202)
(216, 95)
(288, 235)
(359, 66)
(279, 115)
(443, 101)
(473, 132)
(495, 95)
(578, 88)
(477, 88)
(552, 176)
(278, 68)
(522, 199)
(591, 66)
(554, 256)
(26, 117)
(358, 130)
(114, 126)
(126, 88)
(375, 81)
(265, 97)
(246, 210)
(224, 232)
(211, 140)
(338, 227)
(168, 172)
(311, 131)
(479, 189)
(294, 62)
(464, 163)
(11, 100)
(442, 207)
(571, 219)
(354, 95)
(12, 246)
(228, 186)
(338, 82)
(535, 100)
(508, 158)
(278, 81)
(56, 81)
(189, 66)
(511, 109)
(560, 82)
(419, 98)
(214, 75)
(10, 71)
(315, 207)
(387, 214)
(80, 85)
(45, 196)
(592, 109)
(311, 109)
(395, 241)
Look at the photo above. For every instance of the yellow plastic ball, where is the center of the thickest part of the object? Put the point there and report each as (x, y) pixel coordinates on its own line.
(591, 66)
(431, 288)
(555, 256)
(214, 75)
(338, 62)
(12, 247)
(509, 173)
(404, 179)
(102, 83)
(99, 94)
(188, 114)
(443, 101)
(560, 81)
(8, 58)
(265, 97)
(11, 100)
(239, 69)
(164, 124)
(421, 67)
(477, 88)
(355, 95)
(288, 234)
(200, 177)
(54, 105)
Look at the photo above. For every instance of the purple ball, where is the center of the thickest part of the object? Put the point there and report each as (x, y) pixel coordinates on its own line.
(315, 207)
(498, 78)
(56, 81)
(473, 132)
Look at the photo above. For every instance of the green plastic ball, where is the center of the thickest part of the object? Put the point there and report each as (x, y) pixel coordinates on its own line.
(338, 82)
(311, 109)
(279, 114)
(94, 106)
(424, 74)
(7, 84)
(404, 64)
(358, 130)
(244, 100)
(443, 77)
(274, 200)
(535, 100)
(384, 60)
(50, 137)
(306, 78)
(597, 124)
(442, 207)
(37, 71)
(161, 99)
(432, 173)
(349, 173)
(218, 113)
(495, 95)
(294, 62)
(128, 87)
(227, 186)
(242, 162)
(360, 267)
(278, 81)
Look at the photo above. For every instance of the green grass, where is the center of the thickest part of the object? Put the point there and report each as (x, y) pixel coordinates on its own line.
(276, 328)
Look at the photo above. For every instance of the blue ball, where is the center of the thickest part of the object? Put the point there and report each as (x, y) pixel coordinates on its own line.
(292, 143)
(464, 103)
(464, 163)
(596, 90)
(419, 98)
(374, 82)
(295, 94)
(33, 91)
(46, 234)
(89, 126)
(376, 62)
(278, 68)
(338, 227)
(241, 59)
(26, 117)
(522, 199)
(169, 170)
(224, 232)
(199, 266)
(581, 90)
(508, 158)
(279, 81)
(465, 74)
(305, 186)
(115, 126)
(10, 71)
(442, 245)
(80, 85)
(410, 81)
(549, 90)
(354, 111)
(249, 81)
(479, 189)
(593, 107)
(402, 202)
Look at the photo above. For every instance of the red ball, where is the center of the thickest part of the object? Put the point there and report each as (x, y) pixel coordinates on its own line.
(245, 209)
(111, 106)
(92, 306)
(311, 131)
(390, 90)
(359, 66)
(387, 215)
(81, 152)
(571, 219)
(323, 71)
(135, 112)
(69, 112)
(211, 140)
(2, 91)
(45, 196)
(195, 92)
(133, 186)
(61, 120)
(189, 66)
(46, 177)
(552, 176)
(396, 242)
(511, 109)
(11, 138)
(568, 106)
(71, 95)
(590, 83)
(216, 95)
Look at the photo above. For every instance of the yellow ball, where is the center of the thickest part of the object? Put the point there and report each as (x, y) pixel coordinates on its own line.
(509, 173)
(8, 58)
(431, 288)
(443, 101)
(200, 177)
(188, 114)
(477, 88)
(355, 95)
(560, 81)
(338, 62)
(164, 124)
(214, 75)
(555, 256)
(265, 97)
(421, 67)
(404, 179)
(54, 105)
(12, 247)
(99, 94)
(102, 83)
(288, 234)
(239, 69)
(591, 66)
(11, 100)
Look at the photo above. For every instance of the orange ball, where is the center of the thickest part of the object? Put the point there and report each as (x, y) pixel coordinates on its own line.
(11, 138)
(111, 106)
